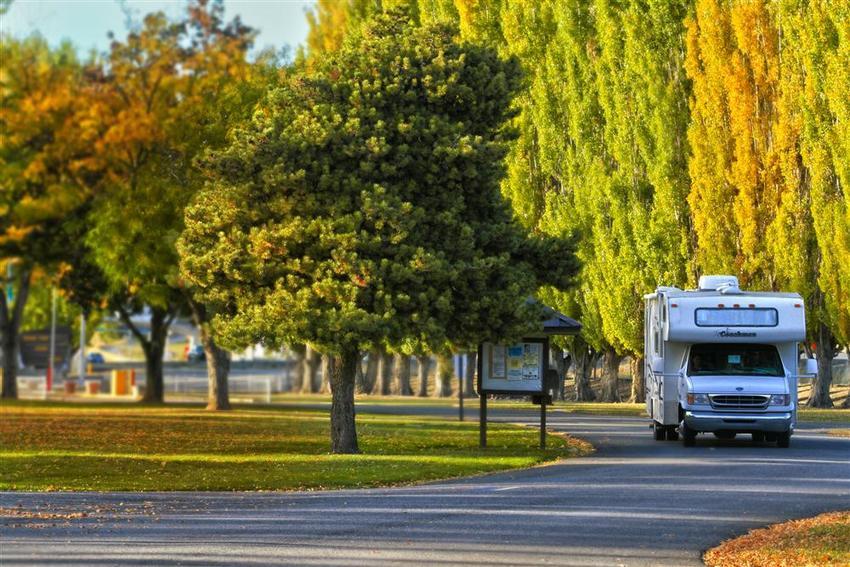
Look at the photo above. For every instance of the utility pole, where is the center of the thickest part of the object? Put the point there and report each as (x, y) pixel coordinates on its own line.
(81, 364)
(52, 340)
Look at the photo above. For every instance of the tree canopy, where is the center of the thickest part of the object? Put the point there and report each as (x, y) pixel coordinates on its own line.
(362, 207)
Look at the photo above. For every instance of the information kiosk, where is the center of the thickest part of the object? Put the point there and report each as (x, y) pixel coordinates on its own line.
(522, 369)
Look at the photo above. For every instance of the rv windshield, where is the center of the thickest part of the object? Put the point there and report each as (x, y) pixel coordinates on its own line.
(734, 360)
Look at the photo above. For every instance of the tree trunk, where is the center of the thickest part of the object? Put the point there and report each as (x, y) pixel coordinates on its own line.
(610, 376)
(10, 328)
(343, 431)
(846, 404)
(370, 378)
(469, 377)
(359, 374)
(327, 371)
(218, 360)
(422, 363)
(402, 374)
(298, 364)
(584, 362)
(154, 348)
(385, 375)
(568, 363)
(218, 371)
(825, 353)
(154, 379)
(311, 381)
(556, 353)
(445, 371)
(638, 394)
(154, 351)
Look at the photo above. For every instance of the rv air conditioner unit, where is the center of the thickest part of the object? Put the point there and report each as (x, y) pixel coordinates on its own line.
(719, 283)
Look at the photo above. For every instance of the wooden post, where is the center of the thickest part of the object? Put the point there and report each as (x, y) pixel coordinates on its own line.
(461, 375)
(543, 424)
(482, 421)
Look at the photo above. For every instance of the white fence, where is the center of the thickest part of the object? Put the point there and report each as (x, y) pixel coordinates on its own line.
(242, 387)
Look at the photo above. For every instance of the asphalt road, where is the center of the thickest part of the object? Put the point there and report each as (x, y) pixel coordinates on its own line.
(634, 502)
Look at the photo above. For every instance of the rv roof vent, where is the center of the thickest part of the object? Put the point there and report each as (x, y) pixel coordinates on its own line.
(715, 283)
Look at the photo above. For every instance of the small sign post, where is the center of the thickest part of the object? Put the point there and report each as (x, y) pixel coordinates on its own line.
(460, 390)
(517, 370)
(522, 369)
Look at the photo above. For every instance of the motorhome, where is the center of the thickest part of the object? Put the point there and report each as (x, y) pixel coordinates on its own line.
(723, 361)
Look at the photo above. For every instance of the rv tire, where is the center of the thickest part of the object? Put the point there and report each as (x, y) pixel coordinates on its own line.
(672, 433)
(783, 440)
(659, 430)
(758, 437)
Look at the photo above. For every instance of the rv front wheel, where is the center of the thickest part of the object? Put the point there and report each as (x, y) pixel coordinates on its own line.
(660, 431)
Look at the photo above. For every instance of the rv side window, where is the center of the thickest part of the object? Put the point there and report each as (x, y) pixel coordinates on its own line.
(720, 317)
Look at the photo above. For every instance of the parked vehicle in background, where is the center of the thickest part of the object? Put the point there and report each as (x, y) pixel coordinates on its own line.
(723, 361)
(196, 354)
(95, 358)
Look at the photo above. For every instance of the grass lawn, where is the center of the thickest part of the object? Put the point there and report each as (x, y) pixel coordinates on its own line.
(822, 540)
(95, 446)
(824, 415)
(840, 432)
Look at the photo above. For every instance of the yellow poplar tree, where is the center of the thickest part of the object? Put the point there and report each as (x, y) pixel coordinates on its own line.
(818, 35)
(733, 61)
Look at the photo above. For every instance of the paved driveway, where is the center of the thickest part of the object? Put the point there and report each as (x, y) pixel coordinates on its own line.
(635, 502)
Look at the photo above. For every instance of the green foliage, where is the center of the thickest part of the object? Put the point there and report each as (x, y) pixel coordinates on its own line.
(186, 448)
(43, 151)
(820, 35)
(603, 152)
(330, 20)
(362, 207)
(173, 91)
(37, 313)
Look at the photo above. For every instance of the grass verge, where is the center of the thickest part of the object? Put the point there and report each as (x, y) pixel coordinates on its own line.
(55, 446)
(822, 540)
(840, 432)
(596, 408)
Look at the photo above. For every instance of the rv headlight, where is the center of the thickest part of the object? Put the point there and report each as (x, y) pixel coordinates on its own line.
(698, 399)
(780, 399)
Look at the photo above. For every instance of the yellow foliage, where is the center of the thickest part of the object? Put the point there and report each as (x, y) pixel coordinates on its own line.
(733, 60)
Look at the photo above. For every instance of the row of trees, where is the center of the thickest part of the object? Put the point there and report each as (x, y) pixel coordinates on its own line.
(676, 138)
(384, 373)
(354, 199)
(99, 159)
(347, 201)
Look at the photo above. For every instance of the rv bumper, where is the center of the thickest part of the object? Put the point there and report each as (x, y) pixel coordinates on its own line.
(739, 422)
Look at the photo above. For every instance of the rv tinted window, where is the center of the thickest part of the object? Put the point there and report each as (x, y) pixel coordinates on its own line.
(719, 317)
(734, 360)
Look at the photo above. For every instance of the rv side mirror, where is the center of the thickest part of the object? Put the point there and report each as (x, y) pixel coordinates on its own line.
(811, 366)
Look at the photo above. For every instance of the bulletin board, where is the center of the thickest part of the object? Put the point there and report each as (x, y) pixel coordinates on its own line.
(512, 368)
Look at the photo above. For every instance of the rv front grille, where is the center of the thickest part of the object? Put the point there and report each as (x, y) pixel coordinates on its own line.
(733, 401)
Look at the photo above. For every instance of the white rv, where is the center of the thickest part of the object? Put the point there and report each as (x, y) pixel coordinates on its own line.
(723, 361)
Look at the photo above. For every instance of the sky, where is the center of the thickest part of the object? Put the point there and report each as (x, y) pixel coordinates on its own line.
(86, 22)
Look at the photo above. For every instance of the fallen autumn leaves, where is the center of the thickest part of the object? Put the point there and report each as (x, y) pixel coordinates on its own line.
(822, 540)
